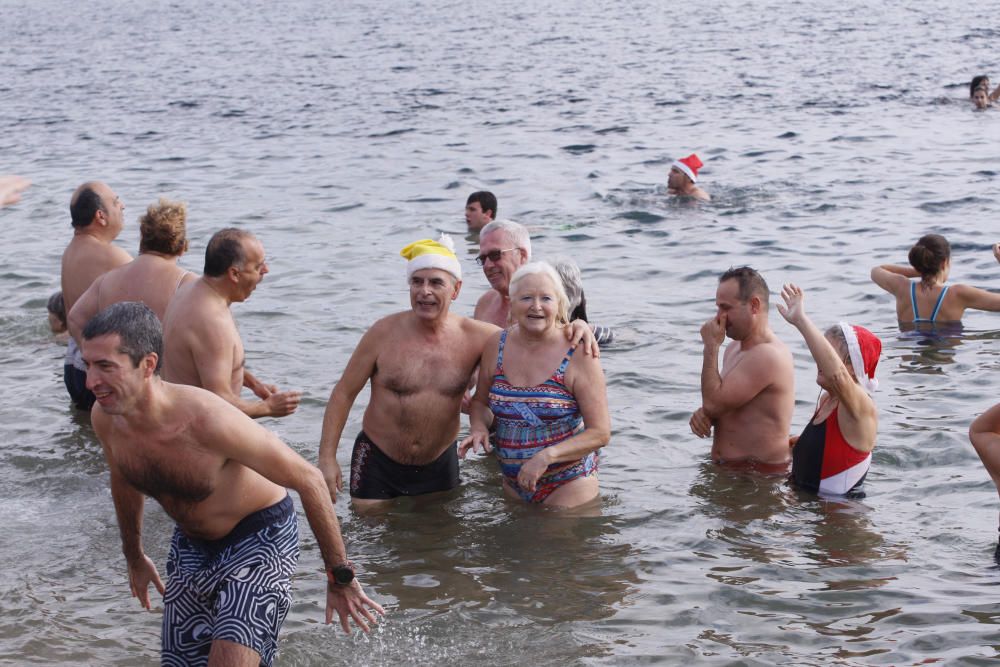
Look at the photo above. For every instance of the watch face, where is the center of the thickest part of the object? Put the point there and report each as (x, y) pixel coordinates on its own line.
(343, 575)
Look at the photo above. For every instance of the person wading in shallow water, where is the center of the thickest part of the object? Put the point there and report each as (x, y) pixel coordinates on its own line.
(748, 406)
(223, 479)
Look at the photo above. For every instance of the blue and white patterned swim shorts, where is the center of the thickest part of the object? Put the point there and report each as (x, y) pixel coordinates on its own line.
(237, 588)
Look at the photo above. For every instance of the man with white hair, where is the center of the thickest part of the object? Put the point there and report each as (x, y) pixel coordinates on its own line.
(504, 246)
(418, 363)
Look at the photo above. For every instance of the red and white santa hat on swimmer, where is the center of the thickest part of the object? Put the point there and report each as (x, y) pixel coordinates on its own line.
(689, 165)
(865, 349)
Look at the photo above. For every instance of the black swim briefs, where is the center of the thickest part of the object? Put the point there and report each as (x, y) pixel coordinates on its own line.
(375, 476)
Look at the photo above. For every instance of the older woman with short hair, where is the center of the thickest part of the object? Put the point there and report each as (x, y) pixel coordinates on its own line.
(550, 424)
(833, 454)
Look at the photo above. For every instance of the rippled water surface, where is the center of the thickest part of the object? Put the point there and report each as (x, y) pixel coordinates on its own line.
(833, 136)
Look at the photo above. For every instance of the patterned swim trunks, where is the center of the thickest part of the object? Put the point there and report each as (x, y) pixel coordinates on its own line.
(237, 588)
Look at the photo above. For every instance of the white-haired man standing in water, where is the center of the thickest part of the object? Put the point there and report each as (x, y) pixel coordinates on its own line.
(749, 405)
(504, 246)
(223, 479)
(418, 362)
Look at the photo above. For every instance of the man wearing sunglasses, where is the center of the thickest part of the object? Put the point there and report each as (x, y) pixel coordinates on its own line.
(504, 246)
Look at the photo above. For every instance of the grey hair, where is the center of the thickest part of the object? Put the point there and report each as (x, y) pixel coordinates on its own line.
(836, 337)
(514, 232)
(543, 268)
(135, 324)
(572, 280)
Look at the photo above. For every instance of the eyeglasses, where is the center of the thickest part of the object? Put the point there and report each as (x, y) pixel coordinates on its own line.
(493, 256)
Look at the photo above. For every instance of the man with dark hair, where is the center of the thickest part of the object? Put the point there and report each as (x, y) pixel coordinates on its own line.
(152, 278)
(480, 209)
(750, 403)
(202, 346)
(97, 216)
(223, 479)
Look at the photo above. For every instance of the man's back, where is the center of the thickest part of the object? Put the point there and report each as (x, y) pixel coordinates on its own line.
(85, 259)
(197, 326)
(757, 430)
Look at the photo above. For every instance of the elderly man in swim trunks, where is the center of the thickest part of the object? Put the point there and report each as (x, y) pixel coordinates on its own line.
(749, 404)
(223, 479)
(201, 344)
(419, 362)
(152, 278)
(98, 216)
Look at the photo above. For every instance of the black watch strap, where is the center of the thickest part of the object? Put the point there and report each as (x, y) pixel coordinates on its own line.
(341, 573)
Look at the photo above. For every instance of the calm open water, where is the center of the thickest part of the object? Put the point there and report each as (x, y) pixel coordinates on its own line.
(833, 136)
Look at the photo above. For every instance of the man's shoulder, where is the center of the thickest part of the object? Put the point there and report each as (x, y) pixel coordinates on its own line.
(473, 327)
(488, 298)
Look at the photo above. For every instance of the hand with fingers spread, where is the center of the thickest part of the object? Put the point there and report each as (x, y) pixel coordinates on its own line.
(350, 602)
(794, 310)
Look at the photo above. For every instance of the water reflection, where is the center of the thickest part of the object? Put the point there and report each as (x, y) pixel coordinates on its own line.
(497, 556)
(929, 344)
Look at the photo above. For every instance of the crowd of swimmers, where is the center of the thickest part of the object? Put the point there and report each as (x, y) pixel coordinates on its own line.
(154, 353)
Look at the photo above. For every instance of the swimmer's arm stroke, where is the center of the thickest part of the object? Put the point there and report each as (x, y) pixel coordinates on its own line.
(257, 448)
(128, 509)
(585, 380)
(859, 409)
(213, 351)
(480, 415)
(360, 368)
(84, 309)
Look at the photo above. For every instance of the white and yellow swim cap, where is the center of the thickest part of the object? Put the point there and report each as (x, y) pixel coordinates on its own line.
(428, 254)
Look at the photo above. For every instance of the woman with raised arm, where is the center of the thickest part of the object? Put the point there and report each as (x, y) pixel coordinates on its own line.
(833, 453)
(931, 299)
(549, 423)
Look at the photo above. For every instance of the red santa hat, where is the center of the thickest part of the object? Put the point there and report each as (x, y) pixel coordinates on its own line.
(865, 349)
(689, 165)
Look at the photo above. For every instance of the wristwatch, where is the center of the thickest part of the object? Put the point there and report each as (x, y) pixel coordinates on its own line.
(341, 574)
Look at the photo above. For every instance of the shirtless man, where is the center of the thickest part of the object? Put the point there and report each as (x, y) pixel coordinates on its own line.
(222, 478)
(419, 362)
(504, 246)
(152, 278)
(480, 209)
(750, 403)
(683, 176)
(97, 216)
(201, 344)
